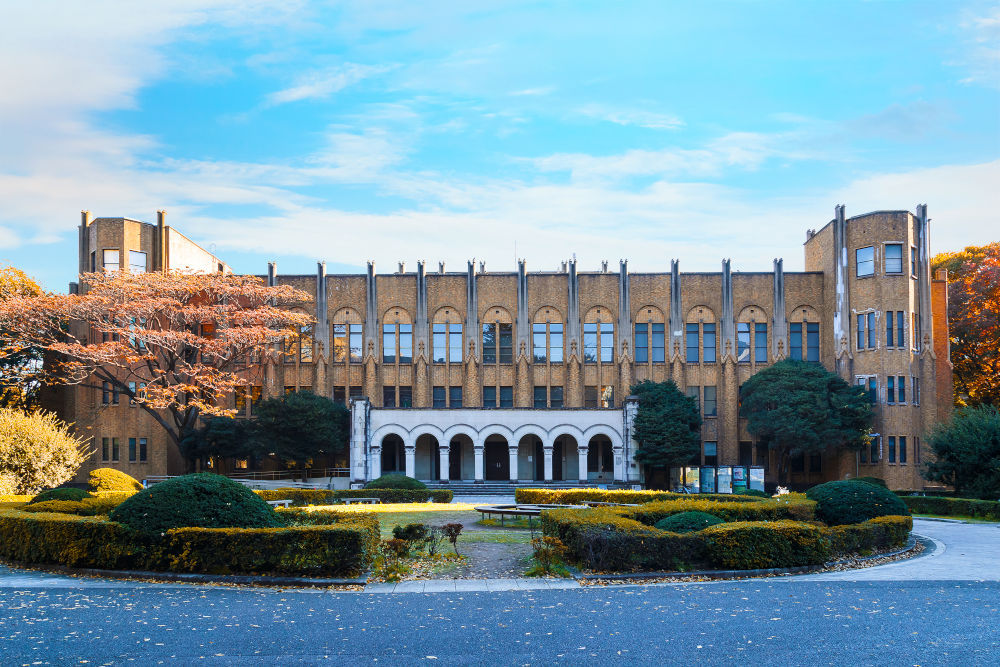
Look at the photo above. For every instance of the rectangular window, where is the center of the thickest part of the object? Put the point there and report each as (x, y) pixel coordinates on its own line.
(506, 397)
(132, 393)
(763, 457)
(872, 332)
(115, 395)
(455, 343)
(861, 332)
(339, 342)
(888, 328)
(607, 343)
(900, 334)
(874, 451)
(555, 397)
(590, 343)
(916, 449)
(255, 396)
(506, 344)
(901, 388)
(708, 343)
(132, 450)
(711, 405)
(798, 463)
(890, 390)
(695, 393)
(915, 383)
(93, 261)
(440, 401)
(340, 395)
(454, 397)
(642, 343)
(354, 392)
(439, 344)
(111, 261)
(105, 449)
(489, 397)
(306, 344)
(795, 341)
(863, 455)
(538, 343)
(240, 395)
(711, 453)
(489, 343)
(815, 463)
(691, 343)
(406, 397)
(746, 454)
(902, 449)
(406, 344)
(743, 342)
(865, 261)
(590, 397)
(388, 343)
(658, 344)
(608, 396)
(143, 450)
(540, 398)
(913, 262)
(136, 261)
(357, 343)
(760, 342)
(892, 449)
(115, 449)
(388, 397)
(289, 389)
(106, 393)
(556, 343)
(893, 258)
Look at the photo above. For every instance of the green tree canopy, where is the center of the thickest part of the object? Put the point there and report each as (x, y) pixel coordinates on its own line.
(299, 426)
(667, 426)
(967, 452)
(799, 407)
(220, 436)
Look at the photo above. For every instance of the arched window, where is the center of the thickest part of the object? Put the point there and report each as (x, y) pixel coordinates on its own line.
(700, 336)
(803, 334)
(599, 336)
(498, 336)
(446, 343)
(650, 345)
(751, 336)
(547, 336)
(348, 342)
(301, 346)
(397, 337)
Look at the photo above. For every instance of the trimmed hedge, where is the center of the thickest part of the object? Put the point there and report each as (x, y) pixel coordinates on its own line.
(344, 548)
(979, 509)
(577, 496)
(395, 480)
(109, 479)
(60, 493)
(846, 502)
(58, 506)
(687, 522)
(745, 545)
(761, 510)
(328, 497)
(879, 533)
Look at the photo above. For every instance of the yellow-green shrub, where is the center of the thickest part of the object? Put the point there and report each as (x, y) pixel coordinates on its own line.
(328, 497)
(761, 510)
(297, 516)
(578, 496)
(746, 545)
(102, 503)
(37, 450)
(980, 509)
(64, 539)
(109, 479)
(58, 506)
(879, 533)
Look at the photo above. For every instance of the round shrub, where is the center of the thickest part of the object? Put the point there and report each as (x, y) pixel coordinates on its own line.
(878, 481)
(395, 481)
(756, 493)
(58, 506)
(61, 493)
(840, 503)
(202, 500)
(687, 522)
(109, 479)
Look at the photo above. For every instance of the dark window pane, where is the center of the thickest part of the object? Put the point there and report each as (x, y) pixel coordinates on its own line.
(711, 404)
(708, 343)
(555, 397)
(760, 343)
(388, 397)
(506, 344)
(888, 329)
(743, 342)
(590, 397)
(540, 397)
(455, 397)
(506, 397)
(439, 397)
(132, 449)
(902, 449)
(641, 343)
(795, 341)
(658, 345)
(711, 453)
(861, 332)
(692, 343)
(489, 344)
(812, 341)
(489, 397)
(143, 449)
(406, 397)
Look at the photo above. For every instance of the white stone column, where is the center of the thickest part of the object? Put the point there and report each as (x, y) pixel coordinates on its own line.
(619, 464)
(375, 462)
(512, 452)
(479, 462)
(411, 460)
(548, 462)
(445, 459)
(582, 458)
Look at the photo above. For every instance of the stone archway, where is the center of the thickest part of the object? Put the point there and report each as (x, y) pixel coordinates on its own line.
(393, 455)
(427, 464)
(600, 459)
(461, 462)
(496, 460)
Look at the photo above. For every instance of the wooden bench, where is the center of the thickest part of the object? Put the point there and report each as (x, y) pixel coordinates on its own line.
(597, 503)
(279, 503)
(363, 501)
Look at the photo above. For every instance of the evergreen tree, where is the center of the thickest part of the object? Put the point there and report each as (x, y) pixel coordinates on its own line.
(300, 426)
(967, 453)
(667, 426)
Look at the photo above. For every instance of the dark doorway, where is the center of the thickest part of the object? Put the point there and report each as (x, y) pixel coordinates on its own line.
(539, 461)
(455, 460)
(557, 460)
(393, 456)
(496, 460)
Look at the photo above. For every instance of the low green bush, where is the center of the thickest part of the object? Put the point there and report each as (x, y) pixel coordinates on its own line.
(978, 509)
(396, 481)
(877, 481)
(756, 493)
(761, 510)
(577, 496)
(880, 533)
(109, 479)
(846, 502)
(60, 493)
(58, 506)
(329, 497)
(202, 500)
(687, 522)
(747, 545)
(74, 541)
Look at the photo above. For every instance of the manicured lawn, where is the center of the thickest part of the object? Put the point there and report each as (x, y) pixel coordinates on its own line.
(436, 514)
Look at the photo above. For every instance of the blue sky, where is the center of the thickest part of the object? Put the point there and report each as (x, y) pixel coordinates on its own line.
(398, 131)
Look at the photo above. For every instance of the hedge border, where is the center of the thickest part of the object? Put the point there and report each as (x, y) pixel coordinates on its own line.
(977, 509)
(326, 496)
(533, 496)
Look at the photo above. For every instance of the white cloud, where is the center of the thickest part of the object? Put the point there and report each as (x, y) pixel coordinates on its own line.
(323, 83)
(981, 49)
(639, 117)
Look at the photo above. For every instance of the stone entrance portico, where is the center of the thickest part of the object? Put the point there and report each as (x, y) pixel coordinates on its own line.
(473, 444)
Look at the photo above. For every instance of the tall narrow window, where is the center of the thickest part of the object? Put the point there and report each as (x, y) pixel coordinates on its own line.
(339, 342)
(439, 343)
(913, 262)
(691, 343)
(106, 393)
(306, 343)
(540, 397)
(760, 342)
(136, 261)
(489, 343)
(874, 450)
(695, 393)
(641, 343)
(795, 341)
(900, 336)
(388, 343)
(872, 332)
(111, 260)
(657, 331)
(388, 397)
(916, 332)
(489, 397)
(873, 389)
(743, 342)
(406, 344)
(890, 390)
(105, 449)
(133, 450)
(538, 343)
(607, 343)
(902, 449)
(892, 448)
(115, 449)
(915, 383)
(893, 258)
(506, 337)
(861, 332)
(455, 397)
(406, 397)
(711, 402)
(590, 342)
(455, 342)
(556, 342)
(555, 397)
(607, 396)
(901, 388)
(439, 397)
(143, 450)
(865, 261)
(357, 343)
(506, 397)
(888, 328)
(708, 343)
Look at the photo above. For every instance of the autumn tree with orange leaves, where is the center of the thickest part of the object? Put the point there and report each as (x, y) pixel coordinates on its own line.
(974, 321)
(175, 344)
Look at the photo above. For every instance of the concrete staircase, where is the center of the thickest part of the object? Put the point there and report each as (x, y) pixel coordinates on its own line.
(491, 488)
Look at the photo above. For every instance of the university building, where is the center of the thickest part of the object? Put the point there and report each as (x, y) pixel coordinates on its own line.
(483, 375)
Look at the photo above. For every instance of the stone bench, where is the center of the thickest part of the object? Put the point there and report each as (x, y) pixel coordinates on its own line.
(279, 503)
